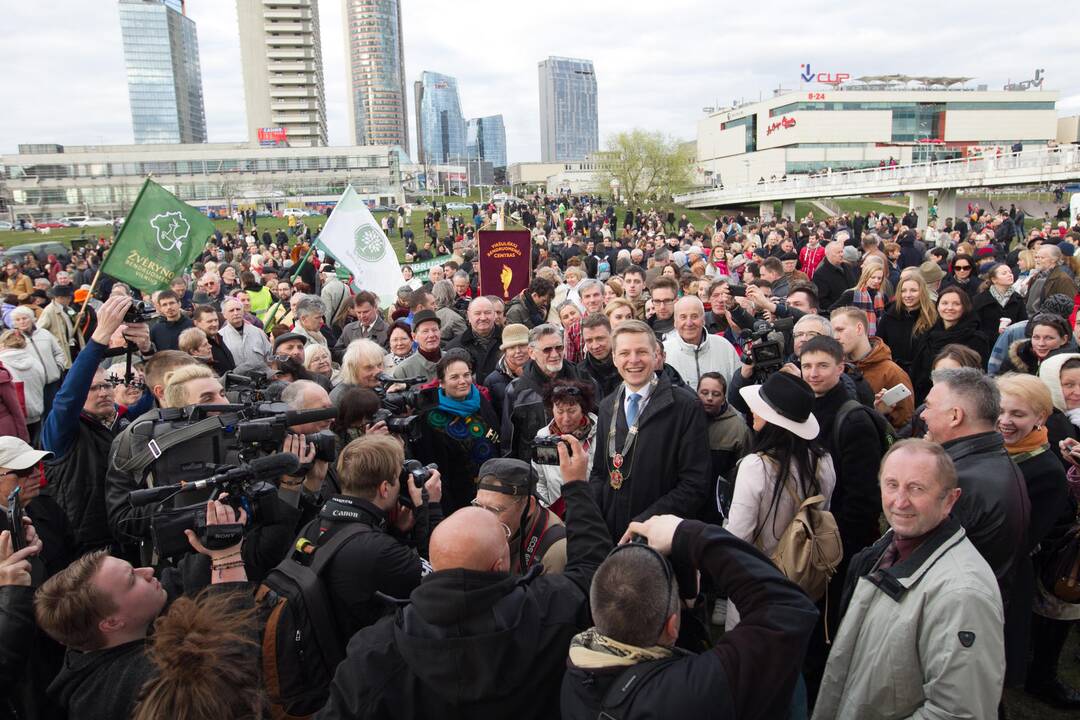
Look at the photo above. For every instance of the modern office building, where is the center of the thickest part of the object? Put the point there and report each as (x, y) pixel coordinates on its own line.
(485, 139)
(569, 128)
(161, 52)
(867, 125)
(43, 181)
(440, 126)
(376, 72)
(281, 58)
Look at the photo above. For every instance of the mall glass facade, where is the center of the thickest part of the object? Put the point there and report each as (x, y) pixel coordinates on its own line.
(485, 139)
(376, 72)
(569, 128)
(161, 52)
(440, 126)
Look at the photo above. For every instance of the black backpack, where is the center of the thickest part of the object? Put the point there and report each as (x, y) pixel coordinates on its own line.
(301, 646)
(886, 436)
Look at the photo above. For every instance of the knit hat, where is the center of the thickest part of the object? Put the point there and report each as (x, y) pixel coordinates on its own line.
(1059, 304)
(1067, 248)
(851, 254)
(931, 272)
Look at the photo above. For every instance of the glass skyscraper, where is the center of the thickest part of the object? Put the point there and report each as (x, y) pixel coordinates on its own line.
(161, 51)
(568, 120)
(440, 126)
(376, 55)
(485, 139)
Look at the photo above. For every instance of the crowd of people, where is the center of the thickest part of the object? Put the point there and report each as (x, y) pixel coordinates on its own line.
(764, 468)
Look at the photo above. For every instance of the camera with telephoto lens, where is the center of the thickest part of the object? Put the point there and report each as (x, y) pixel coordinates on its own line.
(139, 311)
(416, 473)
(545, 450)
(406, 427)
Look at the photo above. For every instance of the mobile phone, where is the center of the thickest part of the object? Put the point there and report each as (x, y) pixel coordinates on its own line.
(895, 394)
(14, 519)
(737, 290)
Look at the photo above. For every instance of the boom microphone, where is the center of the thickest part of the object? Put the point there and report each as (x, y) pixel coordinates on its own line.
(300, 417)
(271, 466)
(390, 380)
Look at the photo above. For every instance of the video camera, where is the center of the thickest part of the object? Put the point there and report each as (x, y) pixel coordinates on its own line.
(764, 345)
(254, 386)
(248, 487)
(139, 311)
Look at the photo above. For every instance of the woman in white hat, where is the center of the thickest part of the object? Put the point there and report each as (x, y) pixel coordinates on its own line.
(786, 467)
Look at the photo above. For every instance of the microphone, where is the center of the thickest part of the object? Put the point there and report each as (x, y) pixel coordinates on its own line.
(271, 466)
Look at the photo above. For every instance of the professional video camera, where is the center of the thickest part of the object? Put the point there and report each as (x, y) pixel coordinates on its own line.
(246, 487)
(254, 385)
(404, 401)
(763, 346)
(267, 431)
(416, 473)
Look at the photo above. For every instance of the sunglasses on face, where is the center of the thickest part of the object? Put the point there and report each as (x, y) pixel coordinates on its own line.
(961, 267)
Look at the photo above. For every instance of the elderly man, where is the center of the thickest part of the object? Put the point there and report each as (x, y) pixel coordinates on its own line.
(832, 276)
(453, 325)
(1050, 279)
(427, 332)
(247, 343)
(694, 352)
(58, 318)
(961, 413)
(482, 338)
(651, 441)
(524, 412)
(922, 628)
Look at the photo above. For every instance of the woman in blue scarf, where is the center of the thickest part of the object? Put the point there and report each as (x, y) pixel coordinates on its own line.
(459, 433)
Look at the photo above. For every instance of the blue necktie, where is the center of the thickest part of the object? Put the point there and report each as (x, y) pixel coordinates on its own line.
(632, 409)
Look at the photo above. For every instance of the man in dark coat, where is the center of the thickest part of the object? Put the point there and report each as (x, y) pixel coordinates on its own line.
(523, 412)
(482, 339)
(598, 363)
(750, 673)
(663, 467)
(474, 640)
(530, 307)
(832, 277)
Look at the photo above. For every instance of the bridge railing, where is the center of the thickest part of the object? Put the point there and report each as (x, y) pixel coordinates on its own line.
(957, 169)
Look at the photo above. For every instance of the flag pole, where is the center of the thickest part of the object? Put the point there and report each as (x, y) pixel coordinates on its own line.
(272, 312)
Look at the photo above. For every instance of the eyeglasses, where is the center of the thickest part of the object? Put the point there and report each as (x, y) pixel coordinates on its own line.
(496, 512)
(101, 387)
(961, 267)
(658, 301)
(553, 350)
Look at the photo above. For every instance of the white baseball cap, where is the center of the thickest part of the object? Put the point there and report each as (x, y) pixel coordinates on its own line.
(15, 454)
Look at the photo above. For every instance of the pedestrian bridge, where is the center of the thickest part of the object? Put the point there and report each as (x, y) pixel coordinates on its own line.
(1028, 167)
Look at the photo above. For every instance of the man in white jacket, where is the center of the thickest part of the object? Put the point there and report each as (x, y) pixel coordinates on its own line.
(694, 352)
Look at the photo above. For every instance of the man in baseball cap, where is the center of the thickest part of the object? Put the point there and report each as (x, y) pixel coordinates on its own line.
(507, 487)
(20, 468)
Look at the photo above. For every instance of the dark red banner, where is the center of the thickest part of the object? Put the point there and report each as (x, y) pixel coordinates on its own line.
(505, 262)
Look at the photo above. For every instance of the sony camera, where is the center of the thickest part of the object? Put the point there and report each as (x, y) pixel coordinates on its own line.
(140, 311)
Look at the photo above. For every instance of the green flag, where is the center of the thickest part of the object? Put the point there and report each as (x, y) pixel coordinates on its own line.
(161, 237)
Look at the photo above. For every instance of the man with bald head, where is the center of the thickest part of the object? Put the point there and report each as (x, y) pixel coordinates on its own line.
(483, 337)
(475, 640)
(692, 351)
(833, 276)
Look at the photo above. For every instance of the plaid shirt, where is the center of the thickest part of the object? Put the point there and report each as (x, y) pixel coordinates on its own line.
(575, 345)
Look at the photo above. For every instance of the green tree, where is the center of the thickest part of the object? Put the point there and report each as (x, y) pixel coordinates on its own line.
(646, 165)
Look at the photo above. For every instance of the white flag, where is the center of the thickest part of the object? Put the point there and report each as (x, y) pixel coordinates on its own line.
(359, 245)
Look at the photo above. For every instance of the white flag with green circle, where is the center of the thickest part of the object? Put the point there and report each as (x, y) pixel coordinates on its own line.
(355, 240)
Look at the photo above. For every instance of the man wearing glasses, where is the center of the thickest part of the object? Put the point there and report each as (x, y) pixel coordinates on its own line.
(663, 294)
(537, 536)
(524, 412)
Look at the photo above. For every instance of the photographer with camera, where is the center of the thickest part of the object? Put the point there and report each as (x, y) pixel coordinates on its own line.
(448, 651)
(80, 428)
(101, 608)
(310, 490)
(384, 555)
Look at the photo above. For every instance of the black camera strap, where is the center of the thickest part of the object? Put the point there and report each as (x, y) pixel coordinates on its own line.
(344, 509)
(156, 447)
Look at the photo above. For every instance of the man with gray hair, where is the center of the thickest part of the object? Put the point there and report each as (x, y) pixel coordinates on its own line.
(961, 414)
(310, 317)
(524, 412)
(694, 352)
(1050, 279)
(833, 276)
(245, 342)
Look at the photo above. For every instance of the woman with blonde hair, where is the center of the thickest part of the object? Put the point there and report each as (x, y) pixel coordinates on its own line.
(613, 288)
(868, 294)
(910, 314)
(24, 367)
(317, 360)
(619, 310)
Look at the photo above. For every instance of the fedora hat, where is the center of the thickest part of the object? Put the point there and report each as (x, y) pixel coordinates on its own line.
(785, 401)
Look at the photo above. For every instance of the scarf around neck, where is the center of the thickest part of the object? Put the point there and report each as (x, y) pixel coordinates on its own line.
(469, 406)
(1001, 297)
(873, 304)
(1034, 443)
(590, 649)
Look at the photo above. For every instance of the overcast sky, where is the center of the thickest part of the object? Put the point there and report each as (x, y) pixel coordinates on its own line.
(657, 63)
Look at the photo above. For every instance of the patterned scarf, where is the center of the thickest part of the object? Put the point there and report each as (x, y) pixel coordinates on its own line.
(873, 304)
(590, 649)
(1001, 297)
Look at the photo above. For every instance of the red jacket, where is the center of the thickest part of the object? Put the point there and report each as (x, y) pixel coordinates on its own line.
(12, 416)
(810, 258)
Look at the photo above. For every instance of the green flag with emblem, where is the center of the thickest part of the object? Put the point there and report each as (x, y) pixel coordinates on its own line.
(161, 237)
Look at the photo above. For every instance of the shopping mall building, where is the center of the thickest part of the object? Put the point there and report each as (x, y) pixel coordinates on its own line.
(870, 122)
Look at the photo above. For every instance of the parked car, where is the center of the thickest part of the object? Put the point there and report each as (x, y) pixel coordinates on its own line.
(458, 206)
(50, 224)
(40, 250)
(5, 225)
(95, 222)
(296, 212)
